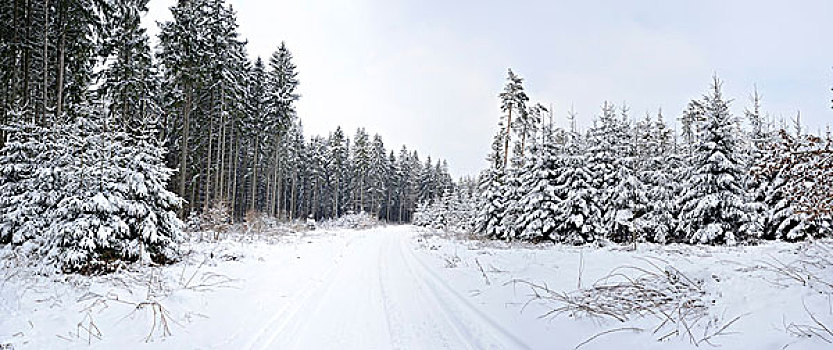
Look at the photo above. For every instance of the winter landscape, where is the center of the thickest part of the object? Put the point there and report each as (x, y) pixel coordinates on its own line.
(212, 174)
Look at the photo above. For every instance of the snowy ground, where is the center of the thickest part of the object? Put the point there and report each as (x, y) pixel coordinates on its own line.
(401, 287)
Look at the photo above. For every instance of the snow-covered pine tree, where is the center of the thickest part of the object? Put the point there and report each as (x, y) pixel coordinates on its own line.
(114, 205)
(422, 214)
(657, 171)
(338, 156)
(253, 131)
(577, 212)
(427, 182)
(442, 211)
(360, 159)
(629, 203)
(512, 194)
(377, 175)
(130, 84)
(714, 208)
(758, 143)
(466, 209)
(691, 121)
(608, 160)
(513, 98)
(538, 202)
(280, 114)
(491, 190)
(29, 186)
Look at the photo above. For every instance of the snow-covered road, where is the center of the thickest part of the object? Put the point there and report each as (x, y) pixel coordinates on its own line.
(381, 295)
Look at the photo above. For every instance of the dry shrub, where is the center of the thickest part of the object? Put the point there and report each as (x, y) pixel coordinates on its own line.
(678, 302)
(255, 221)
(216, 218)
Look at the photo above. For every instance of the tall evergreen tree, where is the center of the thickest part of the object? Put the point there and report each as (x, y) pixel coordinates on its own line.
(513, 98)
(130, 84)
(714, 207)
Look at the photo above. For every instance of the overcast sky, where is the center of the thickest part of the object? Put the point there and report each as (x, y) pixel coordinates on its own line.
(427, 73)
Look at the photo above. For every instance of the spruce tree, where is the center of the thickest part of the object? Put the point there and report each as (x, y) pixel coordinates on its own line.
(577, 213)
(538, 201)
(29, 186)
(658, 172)
(714, 208)
(130, 84)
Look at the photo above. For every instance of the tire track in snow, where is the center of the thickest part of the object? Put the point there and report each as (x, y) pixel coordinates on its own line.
(414, 315)
(267, 333)
(345, 310)
(485, 332)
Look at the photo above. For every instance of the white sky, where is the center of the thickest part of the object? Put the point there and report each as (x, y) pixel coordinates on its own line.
(426, 73)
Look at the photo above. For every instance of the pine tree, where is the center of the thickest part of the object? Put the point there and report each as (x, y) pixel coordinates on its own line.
(538, 201)
(337, 169)
(577, 213)
(253, 128)
(490, 189)
(114, 205)
(492, 205)
(608, 160)
(657, 171)
(714, 208)
(360, 160)
(691, 120)
(130, 84)
(28, 183)
(378, 174)
(513, 98)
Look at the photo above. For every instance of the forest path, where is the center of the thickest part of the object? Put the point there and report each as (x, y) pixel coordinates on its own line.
(381, 294)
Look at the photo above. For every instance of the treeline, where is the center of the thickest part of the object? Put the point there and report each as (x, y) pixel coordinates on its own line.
(107, 145)
(722, 180)
(327, 177)
(233, 134)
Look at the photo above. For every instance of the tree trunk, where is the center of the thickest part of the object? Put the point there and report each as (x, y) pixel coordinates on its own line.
(61, 53)
(220, 189)
(279, 190)
(183, 155)
(508, 136)
(45, 58)
(208, 161)
(523, 143)
(293, 193)
(234, 169)
(254, 176)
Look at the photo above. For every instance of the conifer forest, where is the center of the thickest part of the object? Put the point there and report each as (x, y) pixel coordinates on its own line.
(180, 174)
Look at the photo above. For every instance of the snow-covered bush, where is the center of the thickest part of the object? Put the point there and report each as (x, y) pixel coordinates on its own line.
(216, 218)
(256, 221)
(351, 220)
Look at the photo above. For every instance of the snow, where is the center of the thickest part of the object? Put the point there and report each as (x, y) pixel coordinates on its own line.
(407, 287)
